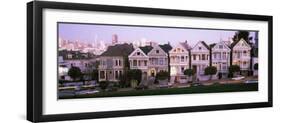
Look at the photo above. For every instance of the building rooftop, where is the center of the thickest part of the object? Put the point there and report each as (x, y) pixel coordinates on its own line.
(118, 50)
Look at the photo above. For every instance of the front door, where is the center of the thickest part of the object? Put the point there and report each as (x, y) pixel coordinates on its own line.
(153, 73)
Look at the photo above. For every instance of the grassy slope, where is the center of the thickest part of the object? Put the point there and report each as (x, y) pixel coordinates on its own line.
(168, 91)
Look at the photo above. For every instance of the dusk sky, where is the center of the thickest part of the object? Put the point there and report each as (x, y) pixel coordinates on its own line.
(88, 33)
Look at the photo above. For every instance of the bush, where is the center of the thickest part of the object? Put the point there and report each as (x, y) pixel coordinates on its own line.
(211, 70)
(103, 84)
(162, 75)
(124, 81)
(256, 66)
(135, 74)
(189, 72)
(134, 83)
(75, 73)
(234, 68)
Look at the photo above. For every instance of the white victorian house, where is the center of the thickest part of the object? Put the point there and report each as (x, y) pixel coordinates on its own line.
(200, 58)
(221, 57)
(138, 59)
(241, 55)
(179, 61)
(158, 60)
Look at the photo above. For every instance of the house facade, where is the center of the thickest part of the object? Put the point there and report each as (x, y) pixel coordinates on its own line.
(112, 62)
(138, 59)
(158, 60)
(221, 57)
(241, 55)
(200, 58)
(179, 61)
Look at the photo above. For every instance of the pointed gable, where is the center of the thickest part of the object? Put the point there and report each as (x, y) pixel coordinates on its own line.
(201, 46)
(241, 44)
(181, 48)
(138, 53)
(146, 49)
(157, 51)
(220, 46)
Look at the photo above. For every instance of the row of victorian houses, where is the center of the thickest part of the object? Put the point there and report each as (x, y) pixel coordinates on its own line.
(153, 59)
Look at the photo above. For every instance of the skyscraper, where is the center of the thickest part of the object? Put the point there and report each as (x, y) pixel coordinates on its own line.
(114, 39)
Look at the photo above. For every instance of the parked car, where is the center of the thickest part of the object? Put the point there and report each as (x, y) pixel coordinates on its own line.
(251, 81)
(238, 78)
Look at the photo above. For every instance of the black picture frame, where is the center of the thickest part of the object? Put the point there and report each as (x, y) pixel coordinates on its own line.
(35, 69)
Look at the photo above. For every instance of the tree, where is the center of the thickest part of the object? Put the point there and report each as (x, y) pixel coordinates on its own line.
(256, 66)
(95, 75)
(124, 81)
(242, 34)
(74, 73)
(103, 84)
(162, 75)
(233, 69)
(135, 74)
(189, 72)
(210, 70)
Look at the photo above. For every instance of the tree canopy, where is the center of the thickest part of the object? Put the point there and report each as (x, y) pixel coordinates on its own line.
(234, 68)
(135, 74)
(188, 72)
(210, 70)
(242, 34)
(162, 75)
(74, 73)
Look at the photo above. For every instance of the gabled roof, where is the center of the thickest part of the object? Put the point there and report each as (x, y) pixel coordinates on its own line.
(138, 50)
(146, 49)
(185, 45)
(234, 43)
(204, 44)
(157, 46)
(118, 50)
(221, 42)
(166, 47)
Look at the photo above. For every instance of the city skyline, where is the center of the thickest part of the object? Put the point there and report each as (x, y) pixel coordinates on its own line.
(89, 33)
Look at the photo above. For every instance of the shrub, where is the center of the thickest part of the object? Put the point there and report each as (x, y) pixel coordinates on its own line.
(234, 68)
(210, 70)
(256, 66)
(134, 83)
(135, 74)
(74, 73)
(103, 84)
(189, 72)
(162, 75)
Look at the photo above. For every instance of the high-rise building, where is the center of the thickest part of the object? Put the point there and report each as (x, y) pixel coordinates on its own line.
(114, 39)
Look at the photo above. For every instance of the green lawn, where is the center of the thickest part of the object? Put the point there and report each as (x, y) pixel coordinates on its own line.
(167, 91)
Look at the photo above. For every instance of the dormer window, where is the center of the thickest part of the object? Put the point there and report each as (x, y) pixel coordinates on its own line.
(138, 53)
(157, 51)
